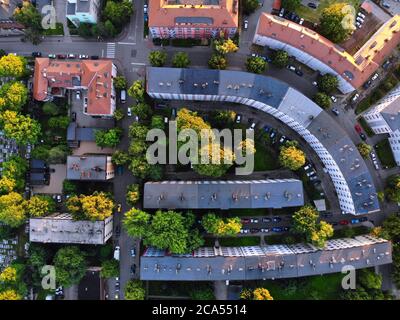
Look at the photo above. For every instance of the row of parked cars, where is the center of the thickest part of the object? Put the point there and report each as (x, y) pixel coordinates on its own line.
(264, 230)
(37, 54)
(283, 13)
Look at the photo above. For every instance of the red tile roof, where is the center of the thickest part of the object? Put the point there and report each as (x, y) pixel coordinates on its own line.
(95, 75)
(362, 65)
(224, 15)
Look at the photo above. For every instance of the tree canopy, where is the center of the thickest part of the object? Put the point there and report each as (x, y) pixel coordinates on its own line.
(22, 129)
(70, 264)
(157, 58)
(13, 95)
(217, 61)
(180, 60)
(136, 223)
(137, 90)
(109, 269)
(108, 138)
(327, 83)
(364, 149)
(323, 100)
(280, 59)
(256, 65)
(292, 157)
(40, 205)
(12, 211)
(134, 290)
(221, 227)
(336, 23)
(97, 206)
(12, 66)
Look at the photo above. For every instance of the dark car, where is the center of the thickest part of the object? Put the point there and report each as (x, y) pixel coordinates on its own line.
(276, 219)
(363, 219)
(327, 214)
(117, 286)
(266, 128)
(61, 56)
(299, 72)
(36, 54)
(334, 224)
(117, 231)
(73, 116)
(133, 269)
(386, 64)
(277, 229)
(173, 112)
(94, 57)
(367, 84)
(286, 229)
(245, 220)
(120, 170)
(312, 5)
(266, 220)
(363, 136)
(254, 230)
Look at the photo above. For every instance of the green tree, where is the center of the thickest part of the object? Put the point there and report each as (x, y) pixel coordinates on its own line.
(157, 58)
(70, 265)
(40, 205)
(22, 129)
(50, 108)
(58, 154)
(109, 269)
(292, 157)
(280, 58)
(249, 6)
(369, 279)
(117, 12)
(137, 148)
(136, 223)
(41, 152)
(330, 23)
(142, 110)
(119, 114)
(393, 188)
(15, 168)
(120, 82)
(140, 167)
(60, 122)
(217, 61)
(120, 158)
(256, 65)
(14, 95)
(291, 5)
(110, 29)
(69, 187)
(157, 122)
(202, 294)
(97, 206)
(85, 30)
(9, 294)
(364, 149)
(323, 100)
(108, 138)
(29, 16)
(134, 290)
(327, 83)
(180, 60)
(12, 211)
(220, 227)
(137, 90)
(138, 131)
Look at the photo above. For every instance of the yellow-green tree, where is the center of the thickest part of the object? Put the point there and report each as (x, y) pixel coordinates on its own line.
(7, 184)
(187, 119)
(291, 157)
(21, 128)
(12, 66)
(14, 95)
(256, 294)
(9, 274)
(38, 206)
(364, 149)
(134, 290)
(225, 46)
(337, 22)
(221, 227)
(97, 206)
(9, 295)
(12, 209)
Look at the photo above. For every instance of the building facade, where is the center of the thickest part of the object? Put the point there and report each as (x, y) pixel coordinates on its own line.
(218, 194)
(317, 52)
(83, 11)
(90, 167)
(93, 78)
(265, 262)
(384, 118)
(61, 228)
(349, 174)
(193, 19)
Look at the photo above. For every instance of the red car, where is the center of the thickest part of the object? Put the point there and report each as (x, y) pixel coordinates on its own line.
(358, 128)
(244, 221)
(343, 222)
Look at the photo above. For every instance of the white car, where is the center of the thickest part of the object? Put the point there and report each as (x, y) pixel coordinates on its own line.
(255, 220)
(282, 139)
(78, 95)
(252, 126)
(165, 119)
(361, 15)
(129, 112)
(307, 167)
(375, 76)
(245, 25)
(301, 21)
(133, 252)
(309, 174)
(373, 156)
(145, 8)
(244, 230)
(117, 252)
(315, 83)
(355, 98)
(83, 56)
(359, 19)
(238, 118)
(376, 164)
(291, 68)
(333, 98)
(71, 56)
(264, 230)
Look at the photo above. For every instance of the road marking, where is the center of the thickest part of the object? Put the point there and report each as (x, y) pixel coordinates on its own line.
(110, 50)
(128, 43)
(138, 63)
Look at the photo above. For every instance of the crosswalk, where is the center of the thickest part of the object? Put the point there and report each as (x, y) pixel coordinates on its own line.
(111, 50)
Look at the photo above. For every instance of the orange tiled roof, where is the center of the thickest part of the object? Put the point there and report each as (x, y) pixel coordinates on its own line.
(95, 75)
(224, 14)
(362, 65)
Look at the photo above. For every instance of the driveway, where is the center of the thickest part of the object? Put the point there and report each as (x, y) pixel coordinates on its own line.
(61, 8)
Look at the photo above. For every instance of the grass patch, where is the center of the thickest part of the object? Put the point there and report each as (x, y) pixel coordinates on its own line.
(366, 127)
(384, 153)
(246, 212)
(239, 241)
(363, 105)
(350, 232)
(58, 31)
(326, 287)
(264, 159)
(313, 15)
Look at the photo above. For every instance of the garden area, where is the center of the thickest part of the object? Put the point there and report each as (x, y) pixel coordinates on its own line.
(58, 31)
(384, 153)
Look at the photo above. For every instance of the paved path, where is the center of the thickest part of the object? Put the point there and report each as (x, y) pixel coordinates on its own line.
(61, 7)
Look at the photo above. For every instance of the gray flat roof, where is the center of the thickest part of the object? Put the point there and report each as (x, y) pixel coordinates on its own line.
(219, 194)
(75, 133)
(264, 93)
(87, 167)
(61, 228)
(265, 262)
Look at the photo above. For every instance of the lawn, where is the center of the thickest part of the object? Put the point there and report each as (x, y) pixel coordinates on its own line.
(326, 287)
(264, 159)
(245, 212)
(366, 127)
(313, 15)
(384, 153)
(58, 31)
(233, 241)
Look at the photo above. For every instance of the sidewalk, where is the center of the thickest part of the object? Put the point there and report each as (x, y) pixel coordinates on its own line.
(61, 6)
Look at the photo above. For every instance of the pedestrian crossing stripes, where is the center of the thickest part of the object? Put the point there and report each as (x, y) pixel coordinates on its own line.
(111, 50)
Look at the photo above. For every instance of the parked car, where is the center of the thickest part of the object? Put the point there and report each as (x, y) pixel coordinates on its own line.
(299, 72)
(245, 24)
(311, 173)
(173, 112)
(361, 15)
(71, 56)
(133, 269)
(123, 96)
(282, 12)
(358, 128)
(385, 4)
(117, 252)
(363, 219)
(276, 219)
(376, 165)
(291, 68)
(83, 56)
(264, 230)
(286, 229)
(244, 230)
(254, 230)
(36, 54)
(78, 95)
(133, 252)
(301, 21)
(266, 220)
(129, 112)
(355, 97)
(272, 134)
(61, 56)
(335, 111)
(282, 139)
(312, 5)
(313, 178)
(343, 222)
(73, 116)
(334, 99)
(363, 136)
(315, 83)
(85, 101)
(375, 76)
(354, 221)
(145, 8)
(94, 57)
(367, 84)
(238, 118)
(245, 220)
(254, 220)
(252, 126)
(277, 229)
(52, 56)
(266, 128)
(117, 231)
(373, 155)
(386, 64)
